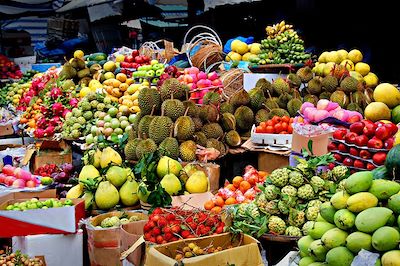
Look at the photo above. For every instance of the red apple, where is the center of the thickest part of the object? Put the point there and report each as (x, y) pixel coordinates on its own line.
(332, 146)
(382, 132)
(135, 53)
(365, 154)
(8, 170)
(357, 127)
(342, 147)
(369, 129)
(388, 144)
(338, 157)
(348, 161)
(129, 59)
(9, 180)
(375, 143)
(353, 151)
(379, 158)
(138, 59)
(370, 166)
(359, 164)
(392, 128)
(19, 183)
(339, 133)
(361, 140)
(353, 119)
(379, 124)
(350, 137)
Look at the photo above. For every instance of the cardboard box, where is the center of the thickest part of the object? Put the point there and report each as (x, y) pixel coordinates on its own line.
(105, 245)
(62, 220)
(319, 143)
(49, 151)
(245, 252)
(268, 162)
(193, 200)
(56, 249)
(6, 130)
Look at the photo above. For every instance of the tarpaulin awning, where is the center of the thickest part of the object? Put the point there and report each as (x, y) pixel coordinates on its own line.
(97, 9)
(173, 11)
(168, 2)
(163, 24)
(16, 7)
(75, 4)
(214, 3)
(133, 24)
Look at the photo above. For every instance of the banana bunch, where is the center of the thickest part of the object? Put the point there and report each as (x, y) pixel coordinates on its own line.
(278, 28)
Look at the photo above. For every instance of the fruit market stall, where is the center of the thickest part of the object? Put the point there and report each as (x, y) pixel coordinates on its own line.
(140, 158)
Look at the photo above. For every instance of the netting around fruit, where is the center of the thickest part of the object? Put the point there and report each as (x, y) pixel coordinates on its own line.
(154, 50)
(232, 81)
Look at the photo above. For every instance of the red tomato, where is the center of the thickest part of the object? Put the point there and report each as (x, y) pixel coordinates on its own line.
(276, 119)
(290, 129)
(263, 125)
(283, 132)
(259, 129)
(270, 123)
(284, 126)
(285, 119)
(291, 120)
(278, 128)
(270, 130)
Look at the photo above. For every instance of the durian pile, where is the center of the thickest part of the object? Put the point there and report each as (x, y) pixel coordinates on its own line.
(338, 86)
(175, 126)
(290, 199)
(282, 46)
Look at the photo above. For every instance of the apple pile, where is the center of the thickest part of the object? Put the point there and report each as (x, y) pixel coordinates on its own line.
(365, 145)
(326, 109)
(134, 61)
(200, 82)
(151, 72)
(8, 69)
(18, 178)
(276, 125)
(168, 225)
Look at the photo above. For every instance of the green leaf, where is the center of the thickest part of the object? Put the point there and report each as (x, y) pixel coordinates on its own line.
(310, 147)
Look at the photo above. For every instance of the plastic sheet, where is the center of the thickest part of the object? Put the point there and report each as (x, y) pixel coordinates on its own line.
(365, 258)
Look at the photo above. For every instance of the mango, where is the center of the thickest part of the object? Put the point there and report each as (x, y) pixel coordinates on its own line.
(334, 238)
(327, 211)
(371, 219)
(385, 238)
(394, 203)
(304, 243)
(317, 250)
(339, 200)
(339, 256)
(357, 241)
(391, 221)
(306, 261)
(378, 262)
(319, 229)
(391, 258)
(344, 219)
(320, 218)
(317, 263)
(361, 201)
(358, 182)
(384, 189)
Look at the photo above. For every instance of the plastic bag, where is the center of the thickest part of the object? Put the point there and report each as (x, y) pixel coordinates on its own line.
(14, 157)
(365, 258)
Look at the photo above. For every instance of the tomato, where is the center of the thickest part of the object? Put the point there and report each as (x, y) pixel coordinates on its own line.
(276, 119)
(270, 130)
(290, 129)
(285, 119)
(270, 123)
(283, 132)
(284, 126)
(259, 129)
(291, 120)
(263, 125)
(278, 128)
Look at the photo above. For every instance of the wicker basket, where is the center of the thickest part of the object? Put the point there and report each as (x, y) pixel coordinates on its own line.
(232, 81)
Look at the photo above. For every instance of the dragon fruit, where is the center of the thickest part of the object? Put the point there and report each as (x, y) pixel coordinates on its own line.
(49, 131)
(55, 93)
(39, 133)
(65, 112)
(57, 109)
(73, 102)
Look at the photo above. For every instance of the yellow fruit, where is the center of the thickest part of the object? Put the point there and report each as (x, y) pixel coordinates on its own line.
(110, 156)
(123, 109)
(97, 158)
(171, 184)
(109, 75)
(234, 44)
(355, 56)
(371, 80)
(127, 103)
(397, 138)
(322, 57)
(95, 84)
(228, 56)
(376, 111)
(133, 88)
(342, 54)
(75, 192)
(348, 64)
(135, 95)
(79, 54)
(120, 58)
(255, 48)
(129, 81)
(134, 109)
(333, 57)
(121, 77)
(362, 68)
(235, 56)
(241, 48)
(109, 66)
(123, 87)
(356, 75)
(246, 56)
(328, 68)
(197, 182)
(115, 83)
(387, 94)
(88, 171)
(84, 91)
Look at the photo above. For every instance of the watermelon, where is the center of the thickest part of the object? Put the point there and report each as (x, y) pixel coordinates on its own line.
(380, 172)
(392, 162)
(396, 114)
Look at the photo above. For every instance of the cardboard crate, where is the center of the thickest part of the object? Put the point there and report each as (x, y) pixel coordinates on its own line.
(6, 130)
(244, 253)
(319, 143)
(48, 151)
(62, 220)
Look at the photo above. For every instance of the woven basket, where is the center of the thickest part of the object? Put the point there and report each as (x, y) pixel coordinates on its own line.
(232, 81)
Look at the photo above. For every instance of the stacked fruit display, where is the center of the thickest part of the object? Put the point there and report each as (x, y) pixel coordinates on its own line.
(242, 51)
(36, 204)
(151, 72)
(8, 69)
(17, 258)
(242, 189)
(133, 61)
(117, 221)
(276, 125)
(386, 105)
(290, 199)
(50, 172)
(283, 45)
(200, 83)
(167, 225)
(18, 178)
(335, 61)
(91, 59)
(364, 146)
(14, 91)
(363, 216)
(326, 109)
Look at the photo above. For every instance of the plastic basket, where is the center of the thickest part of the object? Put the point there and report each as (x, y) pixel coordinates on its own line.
(44, 67)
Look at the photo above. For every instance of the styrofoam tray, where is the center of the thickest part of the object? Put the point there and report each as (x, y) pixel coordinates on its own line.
(270, 139)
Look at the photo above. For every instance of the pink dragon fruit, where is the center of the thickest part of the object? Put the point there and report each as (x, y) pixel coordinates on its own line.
(73, 102)
(57, 108)
(65, 112)
(55, 93)
(39, 133)
(42, 122)
(49, 131)
(55, 121)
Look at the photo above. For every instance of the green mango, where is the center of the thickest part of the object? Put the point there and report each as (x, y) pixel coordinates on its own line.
(384, 189)
(371, 219)
(358, 182)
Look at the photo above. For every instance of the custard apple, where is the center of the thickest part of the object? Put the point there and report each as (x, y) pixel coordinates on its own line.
(276, 225)
(280, 177)
(283, 208)
(339, 172)
(312, 213)
(271, 192)
(293, 231)
(296, 218)
(296, 178)
(305, 192)
(289, 190)
(314, 203)
(317, 182)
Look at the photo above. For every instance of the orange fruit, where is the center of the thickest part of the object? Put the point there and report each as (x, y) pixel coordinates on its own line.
(209, 204)
(129, 81)
(231, 187)
(262, 173)
(121, 77)
(236, 181)
(23, 120)
(230, 200)
(244, 186)
(219, 201)
(216, 209)
(123, 87)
